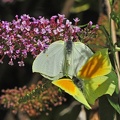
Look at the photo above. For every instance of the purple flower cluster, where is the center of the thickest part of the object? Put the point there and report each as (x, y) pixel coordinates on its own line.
(88, 32)
(30, 35)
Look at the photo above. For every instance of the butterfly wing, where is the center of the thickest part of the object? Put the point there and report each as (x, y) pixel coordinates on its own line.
(50, 63)
(69, 87)
(99, 86)
(96, 75)
(79, 55)
(98, 65)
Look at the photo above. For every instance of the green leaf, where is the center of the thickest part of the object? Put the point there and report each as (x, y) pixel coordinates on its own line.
(112, 2)
(114, 101)
(106, 111)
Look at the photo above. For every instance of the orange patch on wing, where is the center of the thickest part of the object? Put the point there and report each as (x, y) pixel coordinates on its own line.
(66, 84)
(69, 87)
(98, 65)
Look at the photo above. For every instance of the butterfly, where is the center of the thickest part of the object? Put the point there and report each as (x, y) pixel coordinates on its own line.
(97, 79)
(62, 58)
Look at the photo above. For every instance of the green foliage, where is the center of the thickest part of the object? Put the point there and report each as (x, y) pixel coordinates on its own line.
(116, 17)
(30, 96)
(114, 101)
(36, 92)
(106, 111)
